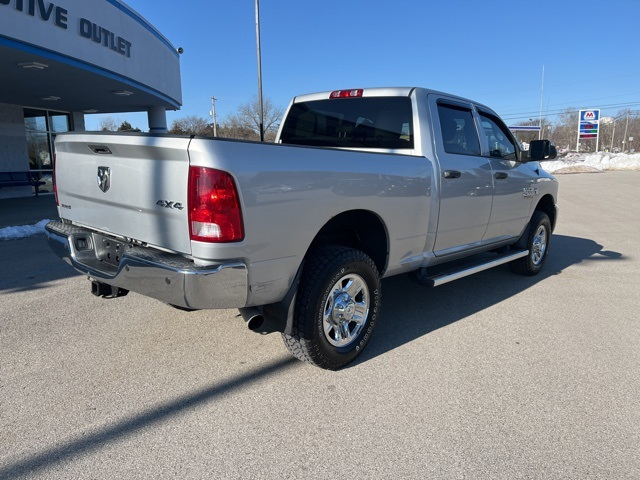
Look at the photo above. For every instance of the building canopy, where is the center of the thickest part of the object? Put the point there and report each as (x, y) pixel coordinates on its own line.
(93, 57)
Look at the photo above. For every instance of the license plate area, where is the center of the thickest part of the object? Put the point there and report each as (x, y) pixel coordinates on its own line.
(108, 250)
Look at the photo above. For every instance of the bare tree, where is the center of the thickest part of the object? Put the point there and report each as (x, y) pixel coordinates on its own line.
(565, 131)
(233, 129)
(247, 120)
(108, 124)
(191, 125)
(242, 125)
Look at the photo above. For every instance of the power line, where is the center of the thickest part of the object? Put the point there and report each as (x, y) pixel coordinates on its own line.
(529, 114)
(571, 103)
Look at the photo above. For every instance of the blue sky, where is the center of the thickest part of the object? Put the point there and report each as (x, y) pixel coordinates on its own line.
(490, 51)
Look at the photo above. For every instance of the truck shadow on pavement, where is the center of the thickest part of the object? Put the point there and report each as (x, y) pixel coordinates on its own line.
(29, 264)
(410, 311)
(91, 441)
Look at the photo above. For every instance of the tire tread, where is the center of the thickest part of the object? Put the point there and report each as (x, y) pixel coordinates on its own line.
(523, 266)
(300, 342)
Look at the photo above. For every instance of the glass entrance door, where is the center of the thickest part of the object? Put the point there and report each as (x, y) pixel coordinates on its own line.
(41, 127)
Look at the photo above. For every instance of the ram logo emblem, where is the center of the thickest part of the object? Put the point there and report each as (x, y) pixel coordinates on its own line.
(104, 178)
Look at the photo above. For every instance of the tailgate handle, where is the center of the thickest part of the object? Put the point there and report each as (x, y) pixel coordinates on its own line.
(100, 149)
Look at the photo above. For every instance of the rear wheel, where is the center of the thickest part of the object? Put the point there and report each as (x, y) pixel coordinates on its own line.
(538, 241)
(337, 307)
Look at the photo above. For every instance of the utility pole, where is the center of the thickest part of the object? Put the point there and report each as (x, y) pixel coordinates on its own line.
(541, 94)
(213, 114)
(259, 71)
(624, 141)
(613, 134)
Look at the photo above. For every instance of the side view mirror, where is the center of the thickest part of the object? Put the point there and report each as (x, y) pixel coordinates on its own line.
(541, 150)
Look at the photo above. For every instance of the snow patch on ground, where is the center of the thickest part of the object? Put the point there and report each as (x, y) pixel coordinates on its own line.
(23, 231)
(593, 162)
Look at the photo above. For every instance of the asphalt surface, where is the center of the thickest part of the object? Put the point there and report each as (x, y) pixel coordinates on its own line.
(493, 376)
(27, 210)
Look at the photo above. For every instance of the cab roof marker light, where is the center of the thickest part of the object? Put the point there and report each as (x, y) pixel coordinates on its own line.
(355, 93)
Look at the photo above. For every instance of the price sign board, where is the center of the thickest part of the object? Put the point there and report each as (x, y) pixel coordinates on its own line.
(589, 122)
(589, 126)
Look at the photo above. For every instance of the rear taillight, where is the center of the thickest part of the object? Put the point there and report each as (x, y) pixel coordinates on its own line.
(214, 206)
(355, 93)
(55, 187)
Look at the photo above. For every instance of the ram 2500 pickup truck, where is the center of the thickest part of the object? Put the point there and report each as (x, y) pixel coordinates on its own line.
(360, 185)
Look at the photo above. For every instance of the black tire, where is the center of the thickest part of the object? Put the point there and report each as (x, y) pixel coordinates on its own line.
(337, 307)
(538, 241)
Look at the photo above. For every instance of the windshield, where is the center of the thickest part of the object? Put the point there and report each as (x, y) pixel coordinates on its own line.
(369, 122)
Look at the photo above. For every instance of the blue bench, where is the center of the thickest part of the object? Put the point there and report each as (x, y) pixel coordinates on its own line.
(20, 179)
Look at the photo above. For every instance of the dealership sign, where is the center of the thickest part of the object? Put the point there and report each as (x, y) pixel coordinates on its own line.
(59, 16)
(103, 37)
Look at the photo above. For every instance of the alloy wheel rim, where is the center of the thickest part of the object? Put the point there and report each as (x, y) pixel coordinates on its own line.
(539, 246)
(346, 310)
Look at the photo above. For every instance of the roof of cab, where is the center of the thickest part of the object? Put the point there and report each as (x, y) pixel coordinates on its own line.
(385, 92)
(366, 92)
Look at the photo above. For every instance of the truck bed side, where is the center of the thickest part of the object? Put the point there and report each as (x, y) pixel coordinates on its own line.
(289, 193)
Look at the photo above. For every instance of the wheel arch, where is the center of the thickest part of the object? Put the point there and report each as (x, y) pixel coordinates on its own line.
(361, 229)
(547, 205)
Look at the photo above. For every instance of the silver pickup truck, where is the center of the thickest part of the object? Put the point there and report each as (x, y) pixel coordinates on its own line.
(361, 184)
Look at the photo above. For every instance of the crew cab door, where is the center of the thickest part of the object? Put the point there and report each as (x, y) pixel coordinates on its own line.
(466, 185)
(514, 182)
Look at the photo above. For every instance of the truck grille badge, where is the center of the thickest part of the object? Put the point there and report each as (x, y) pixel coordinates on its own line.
(104, 178)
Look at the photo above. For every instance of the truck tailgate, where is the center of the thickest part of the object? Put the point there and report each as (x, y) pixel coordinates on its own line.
(132, 186)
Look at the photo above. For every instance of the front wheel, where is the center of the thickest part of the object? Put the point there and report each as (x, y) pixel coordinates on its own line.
(337, 307)
(538, 241)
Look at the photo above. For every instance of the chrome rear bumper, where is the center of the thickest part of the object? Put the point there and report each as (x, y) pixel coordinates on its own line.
(164, 276)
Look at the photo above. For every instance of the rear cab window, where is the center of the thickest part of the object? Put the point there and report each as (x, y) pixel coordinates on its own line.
(364, 122)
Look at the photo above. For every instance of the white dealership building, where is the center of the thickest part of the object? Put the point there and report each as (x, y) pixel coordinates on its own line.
(62, 59)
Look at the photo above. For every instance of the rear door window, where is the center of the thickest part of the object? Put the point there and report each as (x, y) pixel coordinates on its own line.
(365, 122)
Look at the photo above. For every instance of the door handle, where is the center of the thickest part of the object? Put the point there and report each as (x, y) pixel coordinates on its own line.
(452, 174)
(501, 175)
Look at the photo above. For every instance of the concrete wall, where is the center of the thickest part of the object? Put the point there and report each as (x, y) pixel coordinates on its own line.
(78, 121)
(13, 147)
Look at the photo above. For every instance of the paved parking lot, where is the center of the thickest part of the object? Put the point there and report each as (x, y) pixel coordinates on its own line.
(493, 376)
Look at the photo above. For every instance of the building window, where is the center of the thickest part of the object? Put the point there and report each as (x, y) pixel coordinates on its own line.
(41, 127)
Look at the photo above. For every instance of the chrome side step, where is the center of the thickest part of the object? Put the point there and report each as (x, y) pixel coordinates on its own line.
(470, 269)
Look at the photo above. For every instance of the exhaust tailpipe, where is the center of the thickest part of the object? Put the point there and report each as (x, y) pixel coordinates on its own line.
(258, 322)
(253, 317)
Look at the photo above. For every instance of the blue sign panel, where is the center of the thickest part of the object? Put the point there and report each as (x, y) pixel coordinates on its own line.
(589, 115)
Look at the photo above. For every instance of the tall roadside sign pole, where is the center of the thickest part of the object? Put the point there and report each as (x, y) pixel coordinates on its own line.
(541, 93)
(589, 126)
(259, 70)
(213, 114)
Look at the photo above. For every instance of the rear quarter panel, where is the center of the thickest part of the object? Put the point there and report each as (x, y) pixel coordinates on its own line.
(289, 193)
